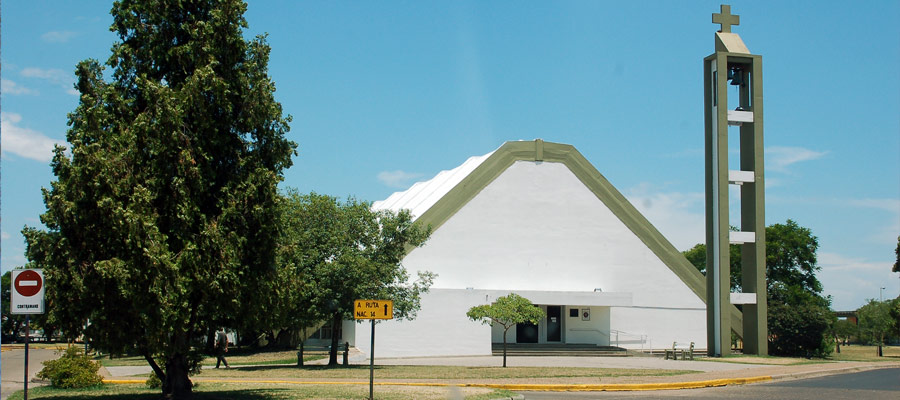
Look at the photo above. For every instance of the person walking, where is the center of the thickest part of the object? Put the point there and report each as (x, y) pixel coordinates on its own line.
(221, 347)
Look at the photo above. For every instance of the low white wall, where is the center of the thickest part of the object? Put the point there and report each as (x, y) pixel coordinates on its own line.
(662, 326)
(440, 329)
(594, 331)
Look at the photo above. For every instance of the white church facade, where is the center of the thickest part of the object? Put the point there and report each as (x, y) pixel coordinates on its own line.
(536, 218)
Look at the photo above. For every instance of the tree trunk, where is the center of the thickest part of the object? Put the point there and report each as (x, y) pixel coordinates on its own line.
(504, 346)
(156, 369)
(210, 340)
(177, 385)
(332, 353)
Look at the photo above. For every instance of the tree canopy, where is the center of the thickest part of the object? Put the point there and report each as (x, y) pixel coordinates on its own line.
(790, 257)
(798, 315)
(507, 311)
(333, 253)
(162, 217)
(799, 322)
(876, 322)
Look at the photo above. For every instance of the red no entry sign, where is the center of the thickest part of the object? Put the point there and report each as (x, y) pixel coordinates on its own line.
(29, 283)
(27, 292)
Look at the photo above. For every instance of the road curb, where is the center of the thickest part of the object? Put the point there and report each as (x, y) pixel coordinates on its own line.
(515, 387)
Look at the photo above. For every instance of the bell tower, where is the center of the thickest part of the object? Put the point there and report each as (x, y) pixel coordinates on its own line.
(733, 110)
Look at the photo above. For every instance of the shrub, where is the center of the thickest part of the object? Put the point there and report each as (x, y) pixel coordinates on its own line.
(799, 322)
(72, 370)
(153, 381)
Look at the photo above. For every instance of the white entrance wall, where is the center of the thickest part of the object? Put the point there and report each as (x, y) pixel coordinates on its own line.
(595, 330)
(441, 327)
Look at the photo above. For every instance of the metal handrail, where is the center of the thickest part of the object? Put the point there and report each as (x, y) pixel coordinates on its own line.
(643, 338)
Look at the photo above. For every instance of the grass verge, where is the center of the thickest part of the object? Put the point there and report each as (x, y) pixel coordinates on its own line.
(236, 357)
(229, 391)
(418, 372)
(848, 353)
(866, 353)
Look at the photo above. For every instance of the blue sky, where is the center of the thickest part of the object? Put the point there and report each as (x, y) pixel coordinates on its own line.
(387, 93)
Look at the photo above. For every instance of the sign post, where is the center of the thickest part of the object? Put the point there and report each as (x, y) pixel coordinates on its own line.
(27, 297)
(372, 310)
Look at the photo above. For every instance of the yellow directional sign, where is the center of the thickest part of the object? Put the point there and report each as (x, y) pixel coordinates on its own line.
(373, 309)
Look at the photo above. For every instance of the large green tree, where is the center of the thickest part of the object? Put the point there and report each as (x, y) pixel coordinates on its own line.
(795, 302)
(161, 219)
(876, 322)
(506, 312)
(332, 253)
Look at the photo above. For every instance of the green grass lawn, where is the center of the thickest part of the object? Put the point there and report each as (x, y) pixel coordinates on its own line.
(848, 353)
(229, 391)
(866, 353)
(235, 357)
(419, 372)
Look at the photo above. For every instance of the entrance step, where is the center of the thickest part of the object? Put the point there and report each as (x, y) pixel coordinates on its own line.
(561, 350)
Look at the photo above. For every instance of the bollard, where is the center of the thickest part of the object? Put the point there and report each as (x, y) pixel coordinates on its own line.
(300, 356)
(346, 351)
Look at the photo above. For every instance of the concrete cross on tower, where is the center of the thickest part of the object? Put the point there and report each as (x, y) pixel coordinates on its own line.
(725, 18)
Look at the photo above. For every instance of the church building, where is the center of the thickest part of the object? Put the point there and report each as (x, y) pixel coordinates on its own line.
(537, 219)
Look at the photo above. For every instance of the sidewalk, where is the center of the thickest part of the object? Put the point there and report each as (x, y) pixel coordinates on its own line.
(711, 373)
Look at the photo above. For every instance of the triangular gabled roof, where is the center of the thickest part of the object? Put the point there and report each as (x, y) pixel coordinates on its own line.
(435, 201)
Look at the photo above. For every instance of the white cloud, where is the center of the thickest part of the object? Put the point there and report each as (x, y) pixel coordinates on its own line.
(4, 236)
(9, 87)
(398, 179)
(58, 36)
(678, 216)
(837, 262)
(850, 281)
(891, 205)
(778, 158)
(25, 142)
(52, 75)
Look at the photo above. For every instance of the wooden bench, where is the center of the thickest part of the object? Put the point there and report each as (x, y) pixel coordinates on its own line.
(685, 350)
(344, 348)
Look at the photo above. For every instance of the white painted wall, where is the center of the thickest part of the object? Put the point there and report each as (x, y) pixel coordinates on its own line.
(594, 331)
(440, 329)
(662, 325)
(537, 227)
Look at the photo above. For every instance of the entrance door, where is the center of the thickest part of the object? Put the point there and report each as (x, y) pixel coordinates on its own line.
(554, 323)
(526, 333)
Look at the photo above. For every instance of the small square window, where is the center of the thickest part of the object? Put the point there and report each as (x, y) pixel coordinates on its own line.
(573, 312)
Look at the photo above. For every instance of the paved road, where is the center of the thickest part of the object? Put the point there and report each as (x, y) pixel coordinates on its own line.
(875, 385)
(13, 368)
